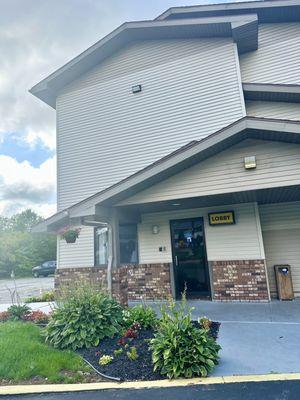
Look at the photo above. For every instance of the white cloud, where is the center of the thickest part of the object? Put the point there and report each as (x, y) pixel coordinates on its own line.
(24, 186)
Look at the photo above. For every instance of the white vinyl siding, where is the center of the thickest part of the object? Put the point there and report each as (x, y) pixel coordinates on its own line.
(241, 241)
(190, 89)
(277, 59)
(281, 235)
(278, 164)
(78, 254)
(273, 109)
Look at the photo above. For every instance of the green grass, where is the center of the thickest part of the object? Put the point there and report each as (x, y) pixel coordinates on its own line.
(24, 356)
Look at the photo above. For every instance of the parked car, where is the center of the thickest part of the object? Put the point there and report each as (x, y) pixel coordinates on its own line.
(47, 268)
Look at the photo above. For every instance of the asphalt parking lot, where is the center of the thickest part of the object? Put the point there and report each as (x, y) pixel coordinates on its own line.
(276, 390)
(26, 287)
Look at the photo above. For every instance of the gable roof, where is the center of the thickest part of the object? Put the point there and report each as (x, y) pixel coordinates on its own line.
(266, 10)
(185, 157)
(243, 29)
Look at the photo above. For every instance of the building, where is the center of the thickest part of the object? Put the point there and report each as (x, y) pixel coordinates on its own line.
(178, 145)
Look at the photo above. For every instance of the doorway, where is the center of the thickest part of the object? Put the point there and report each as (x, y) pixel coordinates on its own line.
(189, 258)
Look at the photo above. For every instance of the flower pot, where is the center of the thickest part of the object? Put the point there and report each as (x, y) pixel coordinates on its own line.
(71, 239)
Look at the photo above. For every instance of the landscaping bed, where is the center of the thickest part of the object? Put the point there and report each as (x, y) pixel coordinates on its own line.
(124, 368)
(90, 337)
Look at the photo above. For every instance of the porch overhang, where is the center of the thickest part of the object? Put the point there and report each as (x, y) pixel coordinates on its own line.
(101, 204)
(260, 196)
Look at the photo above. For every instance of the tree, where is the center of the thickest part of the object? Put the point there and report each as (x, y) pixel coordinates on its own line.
(24, 221)
(20, 250)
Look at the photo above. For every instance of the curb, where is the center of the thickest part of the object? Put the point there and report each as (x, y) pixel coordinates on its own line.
(164, 383)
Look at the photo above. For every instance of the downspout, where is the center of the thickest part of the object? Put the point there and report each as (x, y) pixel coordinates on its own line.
(110, 260)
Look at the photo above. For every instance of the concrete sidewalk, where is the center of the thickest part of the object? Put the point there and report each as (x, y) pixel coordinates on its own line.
(256, 338)
(43, 306)
(275, 311)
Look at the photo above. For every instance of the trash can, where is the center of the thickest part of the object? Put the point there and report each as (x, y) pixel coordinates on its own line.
(284, 282)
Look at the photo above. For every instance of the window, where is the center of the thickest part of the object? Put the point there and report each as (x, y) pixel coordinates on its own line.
(128, 244)
(101, 246)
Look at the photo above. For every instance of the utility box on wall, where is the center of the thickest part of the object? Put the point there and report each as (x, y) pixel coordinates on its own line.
(284, 282)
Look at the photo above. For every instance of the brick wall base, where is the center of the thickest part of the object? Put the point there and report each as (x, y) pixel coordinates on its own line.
(129, 282)
(243, 280)
(231, 280)
(149, 281)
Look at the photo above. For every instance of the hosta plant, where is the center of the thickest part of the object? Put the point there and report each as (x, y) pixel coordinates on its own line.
(142, 314)
(179, 348)
(18, 311)
(83, 317)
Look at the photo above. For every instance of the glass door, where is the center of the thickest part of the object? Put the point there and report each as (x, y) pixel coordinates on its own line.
(189, 258)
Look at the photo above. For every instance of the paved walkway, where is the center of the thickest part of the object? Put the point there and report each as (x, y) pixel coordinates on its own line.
(256, 338)
(26, 287)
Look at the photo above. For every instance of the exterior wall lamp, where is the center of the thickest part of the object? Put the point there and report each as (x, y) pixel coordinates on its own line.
(155, 229)
(250, 162)
(136, 88)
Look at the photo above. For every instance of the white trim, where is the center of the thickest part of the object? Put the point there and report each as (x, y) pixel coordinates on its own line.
(271, 88)
(239, 77)
(228, 6)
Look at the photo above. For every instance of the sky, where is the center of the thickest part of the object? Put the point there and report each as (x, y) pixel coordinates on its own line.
(36, 38)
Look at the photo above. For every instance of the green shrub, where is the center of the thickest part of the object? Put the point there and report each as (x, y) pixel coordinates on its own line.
(104, 360)
(17, 312)
(46, 296)
(144, 315)
(132, 354)
(83, 317)
(179, 348)
(118, 352)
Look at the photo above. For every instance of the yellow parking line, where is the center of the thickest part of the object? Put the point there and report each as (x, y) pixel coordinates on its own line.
(31, 389)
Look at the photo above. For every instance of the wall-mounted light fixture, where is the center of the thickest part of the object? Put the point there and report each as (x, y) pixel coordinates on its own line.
(155, 229)
(136, 88)
(250, 162)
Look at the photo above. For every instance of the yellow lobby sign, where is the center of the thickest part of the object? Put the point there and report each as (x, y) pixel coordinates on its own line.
(221, 218)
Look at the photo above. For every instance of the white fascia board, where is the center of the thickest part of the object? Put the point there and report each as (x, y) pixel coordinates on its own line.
(228, 6)
(42, 227)
(273, 125)
(271, 88)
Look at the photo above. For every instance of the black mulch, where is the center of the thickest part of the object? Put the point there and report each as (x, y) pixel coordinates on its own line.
(121, 366)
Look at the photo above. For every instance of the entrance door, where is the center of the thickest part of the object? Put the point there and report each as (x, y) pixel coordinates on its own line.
(189, 258)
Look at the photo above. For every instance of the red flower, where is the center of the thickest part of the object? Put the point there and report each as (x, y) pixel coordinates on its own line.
(38, 317)
(4, 316)
(131, 333)
(121, 341)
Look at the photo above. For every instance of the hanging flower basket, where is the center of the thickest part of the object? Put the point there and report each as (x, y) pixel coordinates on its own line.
(69, 234)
